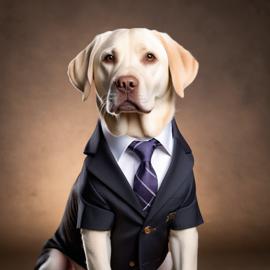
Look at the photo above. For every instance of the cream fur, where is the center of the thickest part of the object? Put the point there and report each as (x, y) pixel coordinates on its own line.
(175, 69)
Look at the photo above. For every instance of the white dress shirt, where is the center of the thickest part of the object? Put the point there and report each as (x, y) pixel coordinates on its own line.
(129, 162)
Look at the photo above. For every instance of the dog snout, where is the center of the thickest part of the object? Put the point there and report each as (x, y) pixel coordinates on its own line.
(126, 83)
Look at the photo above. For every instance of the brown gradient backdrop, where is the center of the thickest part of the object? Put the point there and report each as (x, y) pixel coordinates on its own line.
(224, 115)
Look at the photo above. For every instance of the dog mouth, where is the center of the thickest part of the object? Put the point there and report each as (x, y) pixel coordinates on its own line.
(128, 106)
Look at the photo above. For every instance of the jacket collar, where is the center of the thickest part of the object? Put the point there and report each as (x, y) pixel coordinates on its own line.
(102, 164)
(93, 142)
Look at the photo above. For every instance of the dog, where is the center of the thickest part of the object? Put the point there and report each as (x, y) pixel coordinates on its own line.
(136, 74)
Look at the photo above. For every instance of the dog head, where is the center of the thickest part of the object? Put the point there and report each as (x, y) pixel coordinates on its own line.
(135, 73)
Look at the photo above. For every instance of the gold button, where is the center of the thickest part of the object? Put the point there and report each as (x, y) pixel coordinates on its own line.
(148, 229)
(131, 263)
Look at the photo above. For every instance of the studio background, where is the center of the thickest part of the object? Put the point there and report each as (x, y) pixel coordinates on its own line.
(224, 117)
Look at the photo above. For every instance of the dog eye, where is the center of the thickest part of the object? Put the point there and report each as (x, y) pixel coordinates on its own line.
(109, 58)
(149, 57)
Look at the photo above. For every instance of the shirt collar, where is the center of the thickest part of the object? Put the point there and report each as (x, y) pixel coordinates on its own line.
(119, 144)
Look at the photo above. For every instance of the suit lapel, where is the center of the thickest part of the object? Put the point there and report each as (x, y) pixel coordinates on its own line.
(102, 164)
(180, 166)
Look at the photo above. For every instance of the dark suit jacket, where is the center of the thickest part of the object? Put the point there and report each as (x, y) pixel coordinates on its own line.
(102, 199)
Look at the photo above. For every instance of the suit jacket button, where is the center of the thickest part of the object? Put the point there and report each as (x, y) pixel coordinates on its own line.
(148, 229)
(131, 263)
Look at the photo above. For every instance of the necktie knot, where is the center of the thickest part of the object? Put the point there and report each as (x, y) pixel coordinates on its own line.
(144, 149)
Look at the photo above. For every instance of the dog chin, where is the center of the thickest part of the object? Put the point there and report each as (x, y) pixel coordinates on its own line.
(128, 107)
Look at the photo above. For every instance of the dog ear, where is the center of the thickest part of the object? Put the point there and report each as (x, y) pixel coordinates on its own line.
(183, 66)
(80, 69)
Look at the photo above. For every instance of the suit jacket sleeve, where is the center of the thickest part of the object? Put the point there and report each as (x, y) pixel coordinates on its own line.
(188, 215)
(94, 212)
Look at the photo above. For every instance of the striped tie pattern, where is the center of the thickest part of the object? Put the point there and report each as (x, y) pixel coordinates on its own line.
(145, 180)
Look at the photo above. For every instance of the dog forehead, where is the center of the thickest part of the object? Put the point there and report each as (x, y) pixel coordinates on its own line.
(135, 39)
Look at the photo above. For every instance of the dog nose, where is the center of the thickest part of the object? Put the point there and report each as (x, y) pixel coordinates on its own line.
(126, 83)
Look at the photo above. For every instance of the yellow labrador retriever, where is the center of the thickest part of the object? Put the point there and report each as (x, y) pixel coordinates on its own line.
(136, 75)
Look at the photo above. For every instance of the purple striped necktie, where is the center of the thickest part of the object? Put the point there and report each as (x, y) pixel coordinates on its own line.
(145, 180)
